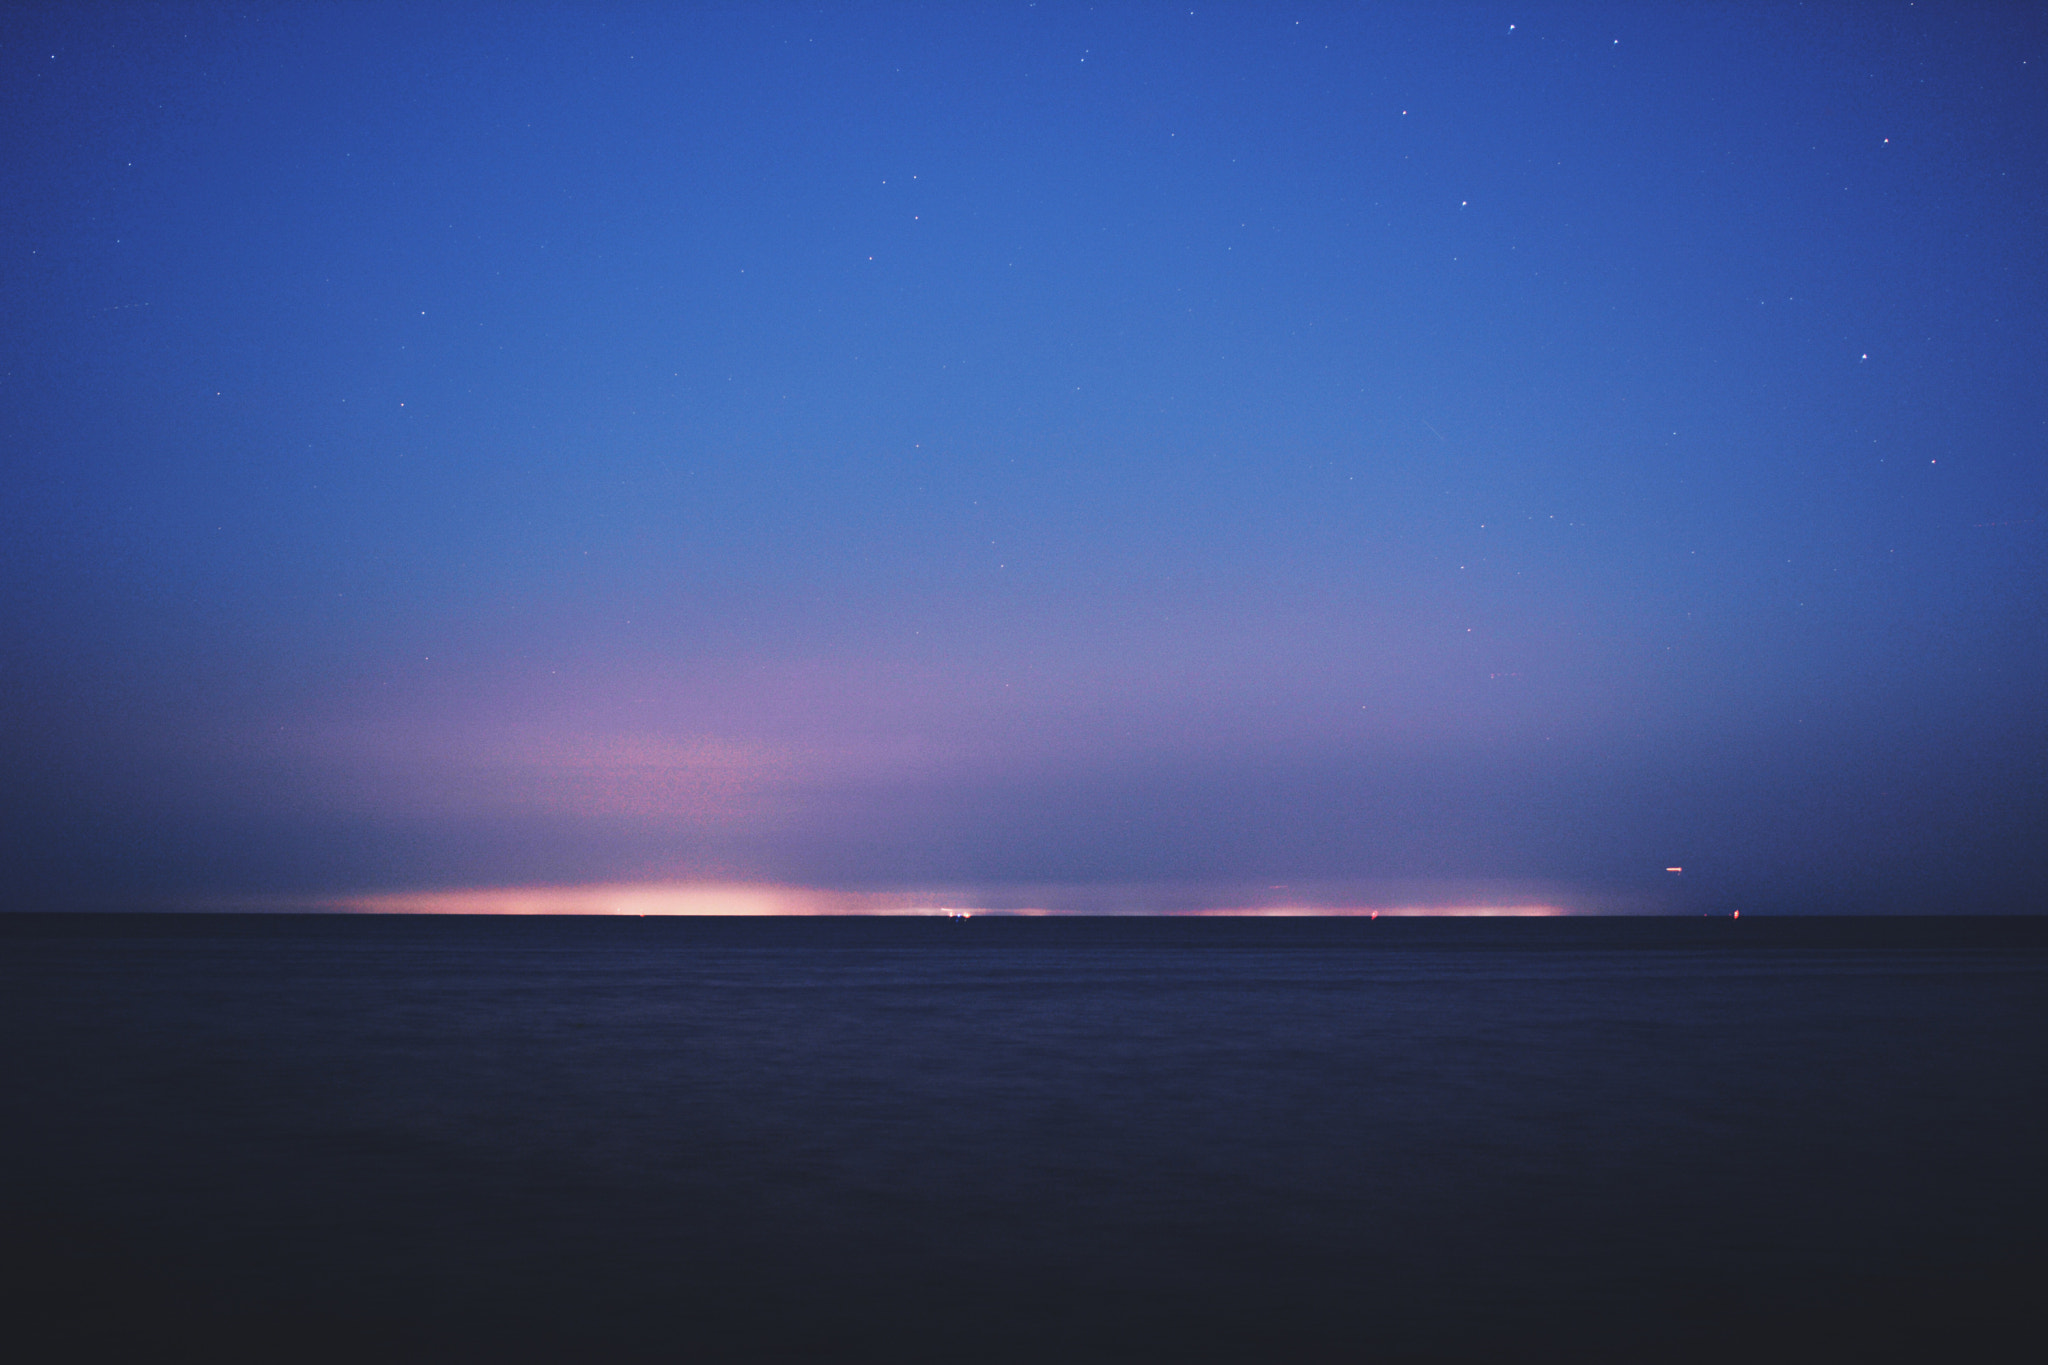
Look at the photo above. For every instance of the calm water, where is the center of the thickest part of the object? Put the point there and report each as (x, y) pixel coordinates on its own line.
(1026, 1139)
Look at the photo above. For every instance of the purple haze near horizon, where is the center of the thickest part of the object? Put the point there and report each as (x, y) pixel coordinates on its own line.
(1013, 447)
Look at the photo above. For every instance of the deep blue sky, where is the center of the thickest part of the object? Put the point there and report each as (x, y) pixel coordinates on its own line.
(1108, 457)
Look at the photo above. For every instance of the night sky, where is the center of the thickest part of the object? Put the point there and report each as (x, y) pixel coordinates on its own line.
(1126, 457)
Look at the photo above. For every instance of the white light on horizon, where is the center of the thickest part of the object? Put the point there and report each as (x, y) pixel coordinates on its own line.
(768, 899)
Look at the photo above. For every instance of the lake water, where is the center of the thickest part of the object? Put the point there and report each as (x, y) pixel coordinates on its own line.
(1029, 1139)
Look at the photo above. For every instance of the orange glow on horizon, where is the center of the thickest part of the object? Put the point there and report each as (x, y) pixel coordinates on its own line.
(684, 898)
(766, 899)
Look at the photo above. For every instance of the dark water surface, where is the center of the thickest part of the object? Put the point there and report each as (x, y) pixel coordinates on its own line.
(284, 1137)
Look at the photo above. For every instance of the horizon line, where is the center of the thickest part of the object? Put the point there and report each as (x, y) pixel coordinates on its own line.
(777, 900)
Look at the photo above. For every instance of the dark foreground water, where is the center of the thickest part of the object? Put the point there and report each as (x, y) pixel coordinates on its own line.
(289, 1137)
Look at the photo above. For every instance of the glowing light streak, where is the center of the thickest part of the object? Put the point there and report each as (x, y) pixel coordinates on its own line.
(762, 899)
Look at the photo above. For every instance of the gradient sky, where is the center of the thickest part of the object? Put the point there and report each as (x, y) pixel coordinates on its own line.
(1116, 457)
